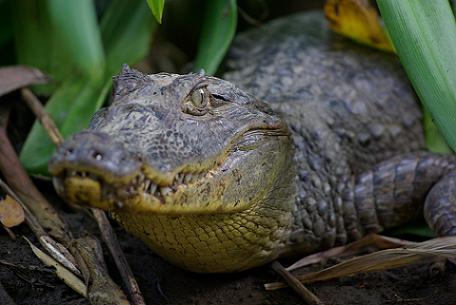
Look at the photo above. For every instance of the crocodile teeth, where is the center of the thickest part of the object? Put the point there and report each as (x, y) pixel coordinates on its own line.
(166, 190)
(180, 178)
(147, 185)
(152, 188)
(188, 178)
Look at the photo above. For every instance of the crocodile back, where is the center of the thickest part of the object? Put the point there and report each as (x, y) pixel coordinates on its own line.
(348, 107)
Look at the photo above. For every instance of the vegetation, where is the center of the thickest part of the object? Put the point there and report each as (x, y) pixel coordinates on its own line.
(81, 44)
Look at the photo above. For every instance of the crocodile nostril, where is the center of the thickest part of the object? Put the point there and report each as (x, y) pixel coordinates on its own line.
(97, 156)
(69, 151)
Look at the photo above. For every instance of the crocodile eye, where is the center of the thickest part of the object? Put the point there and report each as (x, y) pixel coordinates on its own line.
(196, 102)
(198, 98)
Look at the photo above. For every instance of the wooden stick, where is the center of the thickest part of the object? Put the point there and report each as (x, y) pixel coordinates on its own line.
(46, 121)
(105, 227)
(47, 215)
(296, 285)
(111, 241)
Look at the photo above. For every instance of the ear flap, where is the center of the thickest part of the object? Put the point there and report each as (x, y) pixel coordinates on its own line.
(127, 81)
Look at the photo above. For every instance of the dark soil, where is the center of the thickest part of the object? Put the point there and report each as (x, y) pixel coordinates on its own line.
(30, 283)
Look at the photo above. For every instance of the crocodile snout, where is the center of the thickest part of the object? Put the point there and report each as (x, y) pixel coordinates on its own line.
(96, 152)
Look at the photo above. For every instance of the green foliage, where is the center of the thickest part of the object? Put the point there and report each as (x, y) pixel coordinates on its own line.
(424, 34)
(123, 36)
(77, 30)
(219, 27)
(156, 6)
(434, 139)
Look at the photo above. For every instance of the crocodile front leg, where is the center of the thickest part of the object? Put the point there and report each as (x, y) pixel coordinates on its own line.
(393, 193)
(440, 206)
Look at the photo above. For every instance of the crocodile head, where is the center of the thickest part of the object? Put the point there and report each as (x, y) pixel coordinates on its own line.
(194, 166)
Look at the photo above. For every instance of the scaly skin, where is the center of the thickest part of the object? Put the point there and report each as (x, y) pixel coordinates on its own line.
(215, 180)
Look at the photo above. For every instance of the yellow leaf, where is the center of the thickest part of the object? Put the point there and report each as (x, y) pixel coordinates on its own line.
(358, 20)
(11, 213)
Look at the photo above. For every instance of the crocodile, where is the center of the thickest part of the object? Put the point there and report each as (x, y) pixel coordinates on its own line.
(308, 142)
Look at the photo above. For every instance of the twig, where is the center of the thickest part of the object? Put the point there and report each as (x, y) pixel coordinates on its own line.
(44, 118)
(105, 227)
(370, 240)
(48, 217)
(430, 250)
(57, 251)
(69, 278)
(101, 289)
(295, 284)
(111, 241)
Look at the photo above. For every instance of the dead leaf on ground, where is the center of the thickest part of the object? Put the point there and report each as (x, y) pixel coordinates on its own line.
(15, 77)
(358, 20)
(11, 213)
(437, 248)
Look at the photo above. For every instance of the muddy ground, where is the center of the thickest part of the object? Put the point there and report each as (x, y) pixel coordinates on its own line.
(30, 283)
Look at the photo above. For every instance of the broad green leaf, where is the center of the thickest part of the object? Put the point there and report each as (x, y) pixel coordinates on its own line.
(434, 139)
(424, 35)
(75, 23)
(36, 42)
(126, 29)
(218, 30)
(156, 6)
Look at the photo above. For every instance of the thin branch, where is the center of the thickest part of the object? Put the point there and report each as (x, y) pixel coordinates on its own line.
(63, 273)
(48, 124)
(49, 219)
(103, 224)
(111, 241)
(296, 285)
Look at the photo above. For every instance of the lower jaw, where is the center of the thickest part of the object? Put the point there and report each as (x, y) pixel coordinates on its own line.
(205, 243)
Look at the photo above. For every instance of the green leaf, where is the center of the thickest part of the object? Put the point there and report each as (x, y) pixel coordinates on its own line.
(36, 42)
(71, 106)
(126, 29)
(156, 6)
(434, 139)
(424, 34)
(414, 228)
(77, 29)
(219, 26)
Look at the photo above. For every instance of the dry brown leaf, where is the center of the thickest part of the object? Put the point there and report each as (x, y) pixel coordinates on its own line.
(13, 78)
(437, 248)
(358, 20)
(11, 213)
(64, 274)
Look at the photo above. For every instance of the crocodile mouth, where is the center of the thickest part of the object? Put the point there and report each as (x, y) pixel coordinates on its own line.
(87, 188)
(117, 191)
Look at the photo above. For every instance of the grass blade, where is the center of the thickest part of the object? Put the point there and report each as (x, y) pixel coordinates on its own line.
(219, 26)
(424, 34)
(156, 6)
